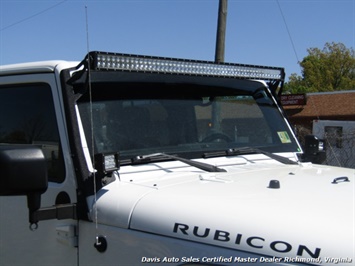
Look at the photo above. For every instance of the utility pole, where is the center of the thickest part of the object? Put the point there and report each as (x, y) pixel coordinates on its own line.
(221, 31)
(219, 58)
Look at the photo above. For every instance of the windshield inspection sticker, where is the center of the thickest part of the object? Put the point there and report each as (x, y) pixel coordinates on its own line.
(284, 137)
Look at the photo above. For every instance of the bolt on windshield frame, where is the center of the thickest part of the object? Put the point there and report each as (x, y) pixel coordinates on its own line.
(177, 118)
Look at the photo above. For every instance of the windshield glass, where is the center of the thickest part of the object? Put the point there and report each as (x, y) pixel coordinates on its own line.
(187, 120)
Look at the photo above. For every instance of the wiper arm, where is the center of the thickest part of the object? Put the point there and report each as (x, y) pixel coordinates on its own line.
(199, 165)
(248, 150)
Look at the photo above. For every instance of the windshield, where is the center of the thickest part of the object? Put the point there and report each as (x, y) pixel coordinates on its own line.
(184, 119)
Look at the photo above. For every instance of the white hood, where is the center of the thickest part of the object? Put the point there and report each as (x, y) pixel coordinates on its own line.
(308, 216)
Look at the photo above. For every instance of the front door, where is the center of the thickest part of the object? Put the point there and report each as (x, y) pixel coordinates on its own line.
(28, 116)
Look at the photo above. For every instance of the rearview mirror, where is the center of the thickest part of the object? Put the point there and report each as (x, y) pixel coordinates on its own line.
(23, 172)
(314, 150)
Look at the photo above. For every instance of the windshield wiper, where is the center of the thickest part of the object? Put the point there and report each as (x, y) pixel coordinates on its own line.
(162, 156)
(249, 150)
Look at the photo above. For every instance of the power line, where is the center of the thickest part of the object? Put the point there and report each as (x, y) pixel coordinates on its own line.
(34, 15)
(288, 31)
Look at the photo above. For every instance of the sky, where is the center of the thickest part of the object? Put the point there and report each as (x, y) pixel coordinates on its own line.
(260, 32)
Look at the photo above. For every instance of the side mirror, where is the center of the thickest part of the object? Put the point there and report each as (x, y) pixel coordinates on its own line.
(23, 172)
(314, 150)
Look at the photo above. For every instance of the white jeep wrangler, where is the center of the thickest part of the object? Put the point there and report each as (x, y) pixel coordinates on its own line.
(125, 160)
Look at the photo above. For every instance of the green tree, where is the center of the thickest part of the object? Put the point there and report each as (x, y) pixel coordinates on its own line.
(329, 69)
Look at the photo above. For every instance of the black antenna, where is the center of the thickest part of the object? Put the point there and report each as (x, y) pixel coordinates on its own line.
(288, 32)
(97, 238)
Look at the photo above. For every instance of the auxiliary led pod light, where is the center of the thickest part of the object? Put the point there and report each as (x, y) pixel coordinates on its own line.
(106, 163)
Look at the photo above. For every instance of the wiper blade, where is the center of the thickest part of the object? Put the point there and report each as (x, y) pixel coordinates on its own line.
(160, 156)
(249, 150)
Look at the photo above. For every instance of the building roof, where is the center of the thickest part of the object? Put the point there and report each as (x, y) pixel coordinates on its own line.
(326, 104)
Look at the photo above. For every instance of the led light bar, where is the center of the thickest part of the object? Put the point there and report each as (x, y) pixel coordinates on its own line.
(136, 63)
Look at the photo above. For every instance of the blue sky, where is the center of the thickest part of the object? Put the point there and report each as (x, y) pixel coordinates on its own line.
(33, 30)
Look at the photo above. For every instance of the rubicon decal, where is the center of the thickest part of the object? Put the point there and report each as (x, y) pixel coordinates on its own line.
(256, 242)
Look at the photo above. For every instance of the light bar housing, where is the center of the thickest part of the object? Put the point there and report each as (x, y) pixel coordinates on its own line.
(150, 64)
